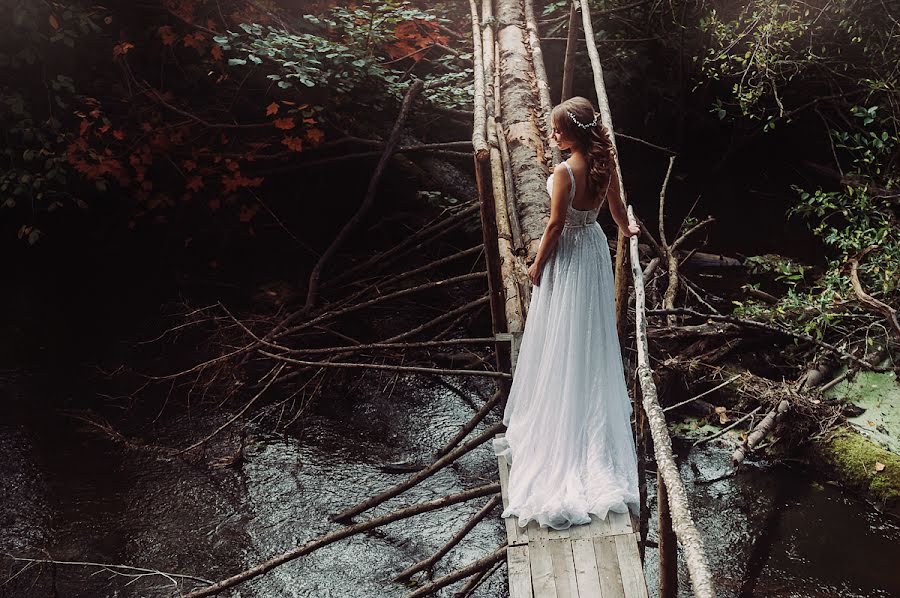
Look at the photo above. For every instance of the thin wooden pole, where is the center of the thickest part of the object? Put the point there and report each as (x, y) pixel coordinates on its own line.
(486, 196)
(682, 523)
(621, 284)
(543, 83)
(571, 43)
(668, 544)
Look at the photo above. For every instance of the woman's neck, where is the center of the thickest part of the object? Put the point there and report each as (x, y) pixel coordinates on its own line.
(577, 152)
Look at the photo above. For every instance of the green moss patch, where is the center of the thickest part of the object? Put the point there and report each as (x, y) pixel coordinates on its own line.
(857, 462)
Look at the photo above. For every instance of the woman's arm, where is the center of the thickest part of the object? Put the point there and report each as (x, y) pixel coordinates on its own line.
(561, 186)
(617, 206)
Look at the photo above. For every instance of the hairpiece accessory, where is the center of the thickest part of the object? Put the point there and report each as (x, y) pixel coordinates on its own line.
(593, 123)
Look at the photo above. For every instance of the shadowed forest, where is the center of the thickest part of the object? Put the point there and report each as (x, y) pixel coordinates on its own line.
(247, 309)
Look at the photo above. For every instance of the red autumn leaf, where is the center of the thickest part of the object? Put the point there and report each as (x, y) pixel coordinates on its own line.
(167, 35)
(214, 204)
(272, 109)
(122, 49)
(84, 127)
(315, 136)
(104, 129)
(194, 40)
(285, 123)
(216, 52)
(294, 143)
(189, 165)
(118, 134)
(195, 183)
(232, 165)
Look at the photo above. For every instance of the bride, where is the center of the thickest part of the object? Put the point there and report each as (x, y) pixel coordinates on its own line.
(568, 440)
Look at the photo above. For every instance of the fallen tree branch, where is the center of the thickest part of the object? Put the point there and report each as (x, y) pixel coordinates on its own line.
(421, 475)
(770, 327)
(470, 425)
(277, 369)
(351, 225)
(479, 565)
(394, 368)
(141, 571)
(457, 537)
(889, 313)
(733, 424)
(344, 533)
(759, 432)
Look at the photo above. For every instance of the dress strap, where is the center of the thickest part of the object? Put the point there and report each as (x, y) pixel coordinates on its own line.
(572, 179)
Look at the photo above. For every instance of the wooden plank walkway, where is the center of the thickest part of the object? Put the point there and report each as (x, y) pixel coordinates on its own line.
(596, 560)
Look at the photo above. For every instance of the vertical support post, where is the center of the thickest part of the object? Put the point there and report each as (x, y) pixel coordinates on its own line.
(571, 42)
(668, 544)
(492, 256)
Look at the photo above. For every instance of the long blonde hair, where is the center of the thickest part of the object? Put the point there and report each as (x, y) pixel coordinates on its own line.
(594, 141)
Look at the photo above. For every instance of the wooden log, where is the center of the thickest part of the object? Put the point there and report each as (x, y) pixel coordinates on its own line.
(457, 537)
(540, 73)
(470, 425)
(479, 128)
(668, 546)
(521, 128)
(621, 280)
(571, 43)
(350, 530)
(682, 523)
(479, 565)
(421, 475)
(761, 430)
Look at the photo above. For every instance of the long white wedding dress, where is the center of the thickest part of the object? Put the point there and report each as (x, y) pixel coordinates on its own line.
(568, 440)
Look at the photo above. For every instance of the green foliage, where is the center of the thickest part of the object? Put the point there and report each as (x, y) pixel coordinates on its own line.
(33, 172)
(355, 67)
(773, 54)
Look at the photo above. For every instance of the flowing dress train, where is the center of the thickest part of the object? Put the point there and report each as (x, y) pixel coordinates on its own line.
(569, 442)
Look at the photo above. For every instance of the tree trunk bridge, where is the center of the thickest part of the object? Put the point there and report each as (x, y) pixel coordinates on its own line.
(510, 133)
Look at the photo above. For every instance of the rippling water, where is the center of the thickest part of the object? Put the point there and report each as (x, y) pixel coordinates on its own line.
(74, 493)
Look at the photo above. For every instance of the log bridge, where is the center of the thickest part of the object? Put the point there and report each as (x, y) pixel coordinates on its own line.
(603, 559)
(512, 159)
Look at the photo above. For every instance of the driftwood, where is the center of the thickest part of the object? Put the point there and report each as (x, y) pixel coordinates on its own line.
(479, 565)
(889, 313)
(421, 475)
(682, 523)
(345, 532)
(428, 563)
(761, 430)
(771, 328)
(368, 200)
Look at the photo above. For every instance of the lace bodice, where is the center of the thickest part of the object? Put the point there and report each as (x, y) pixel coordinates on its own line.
(574, 218)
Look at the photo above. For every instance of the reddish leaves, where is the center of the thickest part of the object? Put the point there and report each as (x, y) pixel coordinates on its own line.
(285, 123)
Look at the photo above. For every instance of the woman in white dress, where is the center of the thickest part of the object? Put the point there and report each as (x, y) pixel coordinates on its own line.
(568, 440)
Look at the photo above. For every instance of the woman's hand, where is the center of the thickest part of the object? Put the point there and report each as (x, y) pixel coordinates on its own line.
(534, 273)
(633, 229)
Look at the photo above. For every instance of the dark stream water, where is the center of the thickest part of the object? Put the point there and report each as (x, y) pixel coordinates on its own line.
(75, 495)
